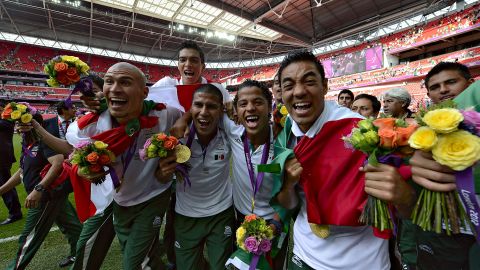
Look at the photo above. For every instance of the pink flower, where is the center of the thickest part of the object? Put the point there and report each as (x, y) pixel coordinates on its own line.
(251, 244)
(82, 144)
(265, 245)
(472, 118)
(143, 154)
(147, 143)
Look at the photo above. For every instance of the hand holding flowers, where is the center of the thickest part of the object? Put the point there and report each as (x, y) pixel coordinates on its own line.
(451, 136)
(163, 146)
(20, 112)
(91, 159)
(384, 140)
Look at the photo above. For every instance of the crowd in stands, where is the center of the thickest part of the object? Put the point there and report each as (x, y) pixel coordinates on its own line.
(400, 72)
(436, 28)
(31, 59)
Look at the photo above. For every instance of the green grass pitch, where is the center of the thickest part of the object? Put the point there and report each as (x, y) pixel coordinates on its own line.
(54, 248)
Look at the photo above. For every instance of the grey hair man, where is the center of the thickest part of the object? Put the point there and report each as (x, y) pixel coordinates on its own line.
(396, 102)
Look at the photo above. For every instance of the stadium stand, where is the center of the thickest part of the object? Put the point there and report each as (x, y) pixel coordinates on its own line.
(28, 58)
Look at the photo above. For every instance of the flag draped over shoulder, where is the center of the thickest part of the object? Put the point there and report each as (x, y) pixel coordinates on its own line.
(331, 180)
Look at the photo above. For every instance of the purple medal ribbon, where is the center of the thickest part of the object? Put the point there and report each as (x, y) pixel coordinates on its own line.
(85, 86)
(125, 161)
(182, 168)
(256, 183)
(254, 262)
(466, 190)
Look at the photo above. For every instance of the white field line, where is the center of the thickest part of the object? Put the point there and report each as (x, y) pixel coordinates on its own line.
(15, 237)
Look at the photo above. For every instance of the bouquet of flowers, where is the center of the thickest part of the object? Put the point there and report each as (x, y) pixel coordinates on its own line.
(279, 118)
(452, 136)
(254, 239)
(91, 159)
(65, 70)
(159, 145)
(19, 112)
(280, 115)
(69, 70)
(384, 140)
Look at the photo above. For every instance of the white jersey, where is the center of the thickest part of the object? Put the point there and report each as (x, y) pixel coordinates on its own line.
(140, 183)
(211, 190)
(346, 247)
(242, 188)
(165, 91)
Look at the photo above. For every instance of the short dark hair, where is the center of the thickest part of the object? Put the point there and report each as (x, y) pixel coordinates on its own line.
(376, 105)
(62, 105)
(253, 83)
(297, 57)
(190, 44)
(346, 91)
(96, 79)
(462, 69)
(210, 89)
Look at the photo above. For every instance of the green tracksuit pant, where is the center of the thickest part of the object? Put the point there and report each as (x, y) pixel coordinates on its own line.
(39, 222)
(138, 228)
(95, 240)
(191, 234)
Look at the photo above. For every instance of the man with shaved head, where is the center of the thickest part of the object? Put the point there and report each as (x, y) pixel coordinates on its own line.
(142, 196)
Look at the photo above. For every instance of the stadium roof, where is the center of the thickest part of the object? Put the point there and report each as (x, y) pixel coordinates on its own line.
(230, 31)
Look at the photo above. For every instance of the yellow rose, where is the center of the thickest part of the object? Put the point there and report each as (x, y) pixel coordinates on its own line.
(16, 114)
(22, 108)
(458, 150)
(69, 58)
(424, 138)
(365, 125)
(84, 69)
(26, 118)
(240, 235)
(53, 82)
(371, 137)
(283, 110)
(100, 145)
(443, 120)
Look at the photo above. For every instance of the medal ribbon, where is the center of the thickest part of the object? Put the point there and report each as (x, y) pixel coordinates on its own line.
(126, 159)
(256, 183)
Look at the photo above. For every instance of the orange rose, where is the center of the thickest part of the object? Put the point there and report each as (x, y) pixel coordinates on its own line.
(95, 168)
(92, 157)
(63, 79)
(250, 217)
(403, 134)
(173, 139)
(168, 145)
(104, 159)
(72, 75)
(60, 67)
(161, 137)
(387, 138)
(6, 112)
(388, 123)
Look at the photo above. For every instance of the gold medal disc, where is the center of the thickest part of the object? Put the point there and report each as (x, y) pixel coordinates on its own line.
(322, 231)
(183, 153)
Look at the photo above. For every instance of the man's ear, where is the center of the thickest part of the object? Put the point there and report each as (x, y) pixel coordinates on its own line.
(325, 86)
(145, 92)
